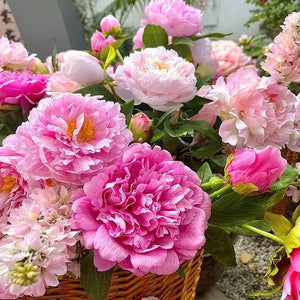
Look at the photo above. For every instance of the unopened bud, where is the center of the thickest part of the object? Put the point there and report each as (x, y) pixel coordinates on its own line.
(110, 24)
(141, 127)
(216, 183)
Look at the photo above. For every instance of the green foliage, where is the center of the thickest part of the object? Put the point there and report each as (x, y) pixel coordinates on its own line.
(271, 14)
(289, 175)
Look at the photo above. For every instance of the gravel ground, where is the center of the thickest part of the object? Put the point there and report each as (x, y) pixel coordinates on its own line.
(247, 277)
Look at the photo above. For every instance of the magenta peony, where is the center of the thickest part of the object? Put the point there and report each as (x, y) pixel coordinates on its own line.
(291, 287)
(156, 76)
(229, 56)
(110, 23)
(145, 212)
(99, 41)
(175, 17)
(251, 170)
(22, 88)
(70, 138)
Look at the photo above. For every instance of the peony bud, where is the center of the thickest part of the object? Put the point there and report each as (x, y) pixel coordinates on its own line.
(244, 39)
(254, 171)
(99, 41)
(141, 127)
(110, 24)
(82, 68)
(35, 65)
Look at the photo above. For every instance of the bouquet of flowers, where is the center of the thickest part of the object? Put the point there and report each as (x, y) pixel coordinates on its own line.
(142, 161)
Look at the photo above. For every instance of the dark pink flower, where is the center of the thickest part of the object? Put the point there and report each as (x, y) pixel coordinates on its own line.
(22, 88)
(145, 212)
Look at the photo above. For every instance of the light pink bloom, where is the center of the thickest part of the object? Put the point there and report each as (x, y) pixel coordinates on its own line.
(291, 287)
(251, 170)
(175, 17)
(294, 191)
(70, 138)
(156, 76)
(59, 61)
(13, 55)
(82, 67)
(108, 23)
(138, 39)
(22, 88)
(58, 82)
(145, 212)
(99, 41)
(229, 56)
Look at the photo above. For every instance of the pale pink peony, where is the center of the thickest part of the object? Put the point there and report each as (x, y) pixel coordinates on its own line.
(59, 60)
(229, 56)
(283, 60)
(99, 41)
(138, 39)
(110, 23)
(291, 287)
(13, 55)
(82, 67)
(145, 212)
(255, 112)
(22, 88)
(59, 83)
(156, 76)
(175, 17)
(70, 138)
(252, 171)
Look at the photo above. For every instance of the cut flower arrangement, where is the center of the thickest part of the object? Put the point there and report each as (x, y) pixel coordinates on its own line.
(145, 160)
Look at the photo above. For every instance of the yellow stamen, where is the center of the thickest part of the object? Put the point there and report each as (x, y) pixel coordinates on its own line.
(8, 183)
(71, 128)
(86, 132)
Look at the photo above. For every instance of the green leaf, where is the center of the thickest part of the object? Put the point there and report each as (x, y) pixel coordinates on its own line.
(232, 209)
(210, 35)
(204, 172)
(127, 110)
(260, 224)
(266, 293)
(180, 272)
(110, 56)
(296, 214)
(280, 225)
(95, 90)
(157, 135)
(96, 283)
(220, 160)
(9, 121)
(117, 44)
(292, 240)
(165, 116)
(196, 103)
(154, 36)
(288, 176)
(179, 129)
(207, 150)
(219, 245)
(183, 41)
(183, 51)
(203, 80)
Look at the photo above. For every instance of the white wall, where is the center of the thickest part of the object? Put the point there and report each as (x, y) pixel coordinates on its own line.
(224, 16)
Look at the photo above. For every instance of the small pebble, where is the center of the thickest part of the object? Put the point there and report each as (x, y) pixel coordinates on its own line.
(245, 257)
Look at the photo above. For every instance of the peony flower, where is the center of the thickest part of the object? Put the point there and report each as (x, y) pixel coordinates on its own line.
(175, 17)
(99, 41)
(141, 127)
(59, 83)
(110, 23)
(229, 55)
(291, 287)
(69, 138)
(251, 170)
(82, 67)
(145, 212)
(156, 76)
(138, 39)
(22, 88)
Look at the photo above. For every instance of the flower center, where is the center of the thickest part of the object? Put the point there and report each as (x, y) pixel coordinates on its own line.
(8, 183)
(86, 132)
(160, 65)
(24, 274)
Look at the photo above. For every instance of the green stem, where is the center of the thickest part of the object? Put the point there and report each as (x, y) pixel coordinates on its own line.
(220, 191)
(296, 183)
(120, 56)
(205, 185)
(264, 233)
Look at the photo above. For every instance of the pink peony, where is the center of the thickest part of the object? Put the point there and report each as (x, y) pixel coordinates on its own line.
(251, 170)
(99, 41)
(138, 39)
(291, 287)
(110, 23)
(156, 76)
(22, 88)
(141, 127)
(145, 212)
(69, 138)
(229, 55)
(175, 17)
(59, 83)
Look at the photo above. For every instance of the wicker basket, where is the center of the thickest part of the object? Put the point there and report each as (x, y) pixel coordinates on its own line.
(126, 286)
(292, 158)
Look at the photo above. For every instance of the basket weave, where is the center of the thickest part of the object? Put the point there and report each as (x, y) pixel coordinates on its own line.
(292, 158)
(127, 286)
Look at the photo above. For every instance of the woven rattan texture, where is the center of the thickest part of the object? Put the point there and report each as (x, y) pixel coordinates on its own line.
(126, 286)
(292, 158)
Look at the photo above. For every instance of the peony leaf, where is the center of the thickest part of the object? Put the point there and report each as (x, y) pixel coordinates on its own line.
(155, 36)
(127, 110)
(288, 176)
(179, 129)
(260, 224)
(157, 135)
(292, 240)
(207, 150)
(9, 121)
(279, 224)
(219, 245)
(210, 35)
(165, 116)
(110, 56)
(219, 160)
(183, 41)
(96, 283)
(180, 272)
(204, 172)
(203, 80)
(183, 51)
(296, 215)
(95, 90)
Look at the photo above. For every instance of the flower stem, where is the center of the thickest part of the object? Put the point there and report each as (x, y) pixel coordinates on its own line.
(205, 185)
(120, 56)
(264, 233)
(220, 191)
